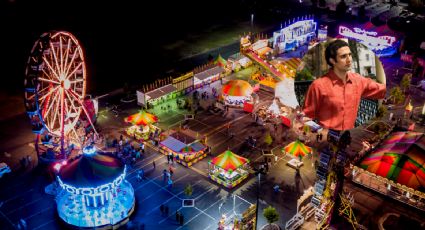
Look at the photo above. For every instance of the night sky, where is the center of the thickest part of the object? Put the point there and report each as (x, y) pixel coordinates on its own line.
(121, 39)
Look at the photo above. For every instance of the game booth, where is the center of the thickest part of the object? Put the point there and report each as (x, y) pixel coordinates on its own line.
(94, 192)
(185, 149)
(297, 150)
(142, 125)
(236, 92)
(228, 169)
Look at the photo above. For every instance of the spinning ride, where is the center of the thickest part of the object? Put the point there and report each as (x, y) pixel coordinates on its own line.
(55, 89)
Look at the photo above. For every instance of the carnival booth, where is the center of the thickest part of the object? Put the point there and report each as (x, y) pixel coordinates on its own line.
(185, 149)
(236, 92)
(228, 169)
(142, 125)
(297, 150)
(94, 192)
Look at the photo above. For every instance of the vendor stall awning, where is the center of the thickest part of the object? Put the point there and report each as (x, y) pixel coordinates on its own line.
(173, 144)
(208, 73)
(157, 93)
(229, 161)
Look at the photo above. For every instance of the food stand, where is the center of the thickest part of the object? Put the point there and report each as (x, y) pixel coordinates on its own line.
(185, 149)
(228, 169)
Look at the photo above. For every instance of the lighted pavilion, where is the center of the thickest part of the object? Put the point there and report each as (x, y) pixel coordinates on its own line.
(236, 92)
(142, 124)
(228, 169)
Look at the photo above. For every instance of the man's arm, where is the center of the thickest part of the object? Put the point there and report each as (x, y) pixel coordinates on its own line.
(312, 98)
(372, 89)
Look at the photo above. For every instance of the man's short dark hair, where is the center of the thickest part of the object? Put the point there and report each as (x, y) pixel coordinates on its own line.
(332, 50)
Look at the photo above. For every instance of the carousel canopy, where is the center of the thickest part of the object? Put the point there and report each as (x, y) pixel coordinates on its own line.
(400, 158)
(237, 88)
(297, 148)
(141, 118)
(91, 170)
(229, 161)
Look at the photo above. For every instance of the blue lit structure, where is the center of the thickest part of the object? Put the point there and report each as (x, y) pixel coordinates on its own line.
(94, 192)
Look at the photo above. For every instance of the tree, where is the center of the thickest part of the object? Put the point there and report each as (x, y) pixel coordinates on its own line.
(382, 110)
(397, 95)
(405, 82)
(188, 190)
(268, 139)
(270, 214)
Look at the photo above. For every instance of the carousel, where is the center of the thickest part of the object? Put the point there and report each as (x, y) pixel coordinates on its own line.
(142, 125)
(228, 169)
(94, 192)
(396, 168)
(297, 150)
(237, 92)
(185, 149)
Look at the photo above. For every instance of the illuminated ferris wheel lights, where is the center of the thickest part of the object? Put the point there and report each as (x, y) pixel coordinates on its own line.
(66, 84)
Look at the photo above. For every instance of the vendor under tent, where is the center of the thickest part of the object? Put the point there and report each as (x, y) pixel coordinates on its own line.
(185, 149)
(228, 169)
(236, 92)
(142, 125)
(297, 150)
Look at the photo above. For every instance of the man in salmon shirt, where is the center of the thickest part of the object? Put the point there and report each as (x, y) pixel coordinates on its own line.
(334, 98)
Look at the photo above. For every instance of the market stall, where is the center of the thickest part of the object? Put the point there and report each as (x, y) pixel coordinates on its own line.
(185, 149)
(228, 169)
(142, 125)
(94, 192)
(297, 150)
(236, 92)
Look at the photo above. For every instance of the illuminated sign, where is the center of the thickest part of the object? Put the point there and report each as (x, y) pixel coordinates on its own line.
(369, 38)
(182, 78)
(93, 191)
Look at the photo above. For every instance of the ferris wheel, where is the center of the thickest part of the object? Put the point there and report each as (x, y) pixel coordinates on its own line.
(55, 88)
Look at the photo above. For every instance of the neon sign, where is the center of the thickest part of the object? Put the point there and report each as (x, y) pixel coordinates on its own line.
(369, 38)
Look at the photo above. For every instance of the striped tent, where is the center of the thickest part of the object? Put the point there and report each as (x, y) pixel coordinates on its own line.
(297, 149)
(400, 158)
(229, 161)
(237, 88)
(91, 170)
(141, 118)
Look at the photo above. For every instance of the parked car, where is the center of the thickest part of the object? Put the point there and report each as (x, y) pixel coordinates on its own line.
(4, 168)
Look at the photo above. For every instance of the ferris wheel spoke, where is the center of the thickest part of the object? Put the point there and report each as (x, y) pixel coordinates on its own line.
(76, 81)
(71, 101)
(55, 57)
(57, 107)
(71, 62)
(45, 116)
(84, 109)
(48, 75)
(61, 54)
(73, 71)
(47, 80)
(68, 47)
(42, 98)
(50, 67)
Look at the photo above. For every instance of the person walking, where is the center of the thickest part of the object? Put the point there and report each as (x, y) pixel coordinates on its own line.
(164, 175)
(170, 183)
(153, 163)
(170, 169)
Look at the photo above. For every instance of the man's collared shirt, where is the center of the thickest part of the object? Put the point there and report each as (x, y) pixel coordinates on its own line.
(335, 104)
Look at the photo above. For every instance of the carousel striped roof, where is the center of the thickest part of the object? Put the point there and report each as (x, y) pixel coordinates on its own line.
(229, 161)
(91, 170)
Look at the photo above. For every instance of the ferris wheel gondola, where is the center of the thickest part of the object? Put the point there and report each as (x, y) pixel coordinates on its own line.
(55, 88)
